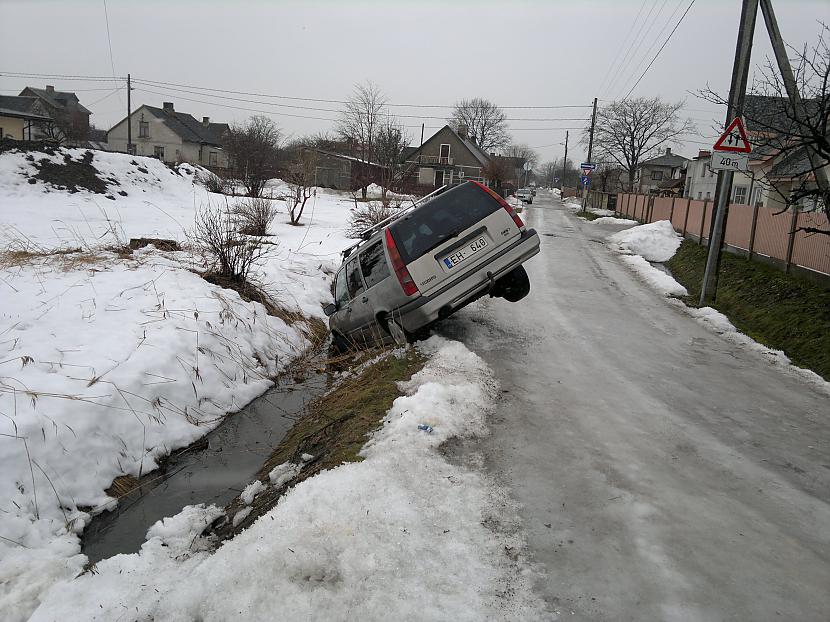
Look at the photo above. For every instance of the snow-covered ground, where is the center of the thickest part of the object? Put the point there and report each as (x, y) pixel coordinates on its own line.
(108, 362)
(417, 547)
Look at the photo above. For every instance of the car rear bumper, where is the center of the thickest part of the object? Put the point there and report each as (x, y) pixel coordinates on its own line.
(439, 304)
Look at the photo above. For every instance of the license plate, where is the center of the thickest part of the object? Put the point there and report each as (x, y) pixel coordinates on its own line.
(465, 252)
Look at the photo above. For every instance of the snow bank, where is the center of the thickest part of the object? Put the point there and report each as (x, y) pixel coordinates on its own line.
(719, 323)
(658, 279)
(610, 220)
(106, 367)
(656, 241)
(108, 363)
(399, 536)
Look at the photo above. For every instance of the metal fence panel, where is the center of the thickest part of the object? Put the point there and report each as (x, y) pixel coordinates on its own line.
(738, 226)
(812, 250)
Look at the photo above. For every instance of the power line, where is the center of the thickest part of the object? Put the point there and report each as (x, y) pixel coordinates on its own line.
(108, 95)
(676, 26)
(622, 45)
(625, 60)
(338, 111)
(642, 43)
(655, 40)
(169, 85)
(109, 43)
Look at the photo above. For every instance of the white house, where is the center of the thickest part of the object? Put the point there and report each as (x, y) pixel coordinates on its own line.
(171, 136)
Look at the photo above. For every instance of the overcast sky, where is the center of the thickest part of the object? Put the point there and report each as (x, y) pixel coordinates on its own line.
(546, 53)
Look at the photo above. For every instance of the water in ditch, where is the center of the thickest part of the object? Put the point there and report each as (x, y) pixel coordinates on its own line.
(214, 470)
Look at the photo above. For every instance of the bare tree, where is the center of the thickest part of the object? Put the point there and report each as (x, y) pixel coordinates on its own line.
(629, 131)
(547, 172)
(358, 124)
(486, 123)
(254, 152)
(497, 172)
(776, 130)
(391, 143)
(65, 128)
(301, 184)
(366, 215)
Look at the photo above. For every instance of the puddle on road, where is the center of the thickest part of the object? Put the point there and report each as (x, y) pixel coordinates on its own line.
(215, 470)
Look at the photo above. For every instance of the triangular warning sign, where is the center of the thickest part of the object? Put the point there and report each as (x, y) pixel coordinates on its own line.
(734, 138)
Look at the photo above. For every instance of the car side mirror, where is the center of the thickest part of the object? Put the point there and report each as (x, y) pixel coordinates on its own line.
(330, 309)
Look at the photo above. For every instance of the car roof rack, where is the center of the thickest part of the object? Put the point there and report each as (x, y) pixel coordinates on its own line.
(368, 233)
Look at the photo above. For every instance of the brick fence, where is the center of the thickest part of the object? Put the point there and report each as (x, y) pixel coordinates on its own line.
(756, 232)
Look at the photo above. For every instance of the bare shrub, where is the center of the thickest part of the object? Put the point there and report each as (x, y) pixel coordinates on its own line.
(255, 215)
(300, 178)
(214, 183)
(229, 253)
(366, 215)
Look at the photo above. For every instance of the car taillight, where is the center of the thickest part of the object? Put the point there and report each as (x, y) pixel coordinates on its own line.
(399, 267)
(516, 218)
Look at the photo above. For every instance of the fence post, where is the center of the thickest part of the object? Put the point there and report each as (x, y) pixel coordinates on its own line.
(791, 240)
(752, 230)
(702, 221)
(686, 216)
(671, 211)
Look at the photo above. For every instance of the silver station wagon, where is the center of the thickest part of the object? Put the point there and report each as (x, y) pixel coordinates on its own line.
(428, 261)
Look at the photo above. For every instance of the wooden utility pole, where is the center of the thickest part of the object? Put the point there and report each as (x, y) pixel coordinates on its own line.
(564, 162)
(737, 92)
(129, 119)
(590, 150)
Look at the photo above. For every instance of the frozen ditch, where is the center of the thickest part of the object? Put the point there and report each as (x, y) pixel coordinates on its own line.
(213, 470)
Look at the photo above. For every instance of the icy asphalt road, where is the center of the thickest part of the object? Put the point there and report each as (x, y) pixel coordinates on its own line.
(664, 473)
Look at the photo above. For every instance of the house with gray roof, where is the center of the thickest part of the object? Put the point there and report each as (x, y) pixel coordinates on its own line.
(70, 119)
(662, 174)
(447, 157)
(171, 136)
(20, 117)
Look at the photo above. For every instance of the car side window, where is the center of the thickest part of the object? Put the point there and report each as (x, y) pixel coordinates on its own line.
(341, 296)
(353, 281)
(373, 264)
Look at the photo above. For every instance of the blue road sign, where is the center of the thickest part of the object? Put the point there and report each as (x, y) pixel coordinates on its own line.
(587, 166)
(586, 181)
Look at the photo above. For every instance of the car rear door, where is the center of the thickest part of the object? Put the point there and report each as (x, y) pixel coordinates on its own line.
(453, 235)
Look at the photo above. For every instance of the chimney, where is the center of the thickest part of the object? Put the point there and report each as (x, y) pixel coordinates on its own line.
(167, 107)
(703, 153)
(462, 131)
(50, 88)
(668, 150)
(205, 121)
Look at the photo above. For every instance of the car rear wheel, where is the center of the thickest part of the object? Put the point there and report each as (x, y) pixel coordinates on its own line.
(513, 286)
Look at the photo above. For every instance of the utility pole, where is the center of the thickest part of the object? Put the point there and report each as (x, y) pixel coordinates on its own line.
(590, 150)
(737, 92)
(564, 161)
(129, 119)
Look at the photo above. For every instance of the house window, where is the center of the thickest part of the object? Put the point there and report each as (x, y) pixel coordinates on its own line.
(656, 175)
(158, 152)
(213, 158)
(703, 169)
(740, 195)
(708, 195)
(699, 196)
(144, 129)
(444, 154)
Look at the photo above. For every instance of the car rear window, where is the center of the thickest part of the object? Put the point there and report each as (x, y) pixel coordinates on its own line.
(448, 214)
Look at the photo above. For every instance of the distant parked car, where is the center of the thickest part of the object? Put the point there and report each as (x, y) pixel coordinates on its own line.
(525, 195)
(426, 263)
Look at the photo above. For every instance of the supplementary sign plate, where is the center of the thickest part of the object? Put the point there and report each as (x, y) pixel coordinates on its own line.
(730, 161)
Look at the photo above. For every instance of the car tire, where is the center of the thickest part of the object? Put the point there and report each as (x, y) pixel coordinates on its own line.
(340, 343)
(513, 286)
